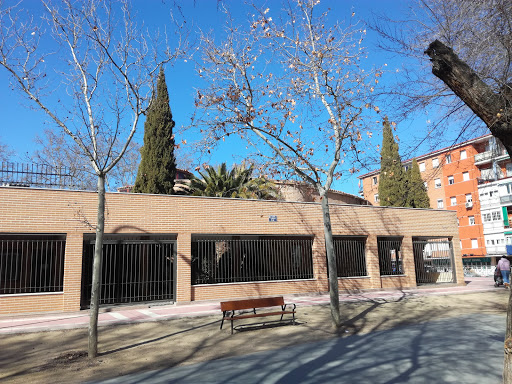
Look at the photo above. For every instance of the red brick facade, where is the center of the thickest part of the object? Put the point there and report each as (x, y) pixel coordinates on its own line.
(74, 214)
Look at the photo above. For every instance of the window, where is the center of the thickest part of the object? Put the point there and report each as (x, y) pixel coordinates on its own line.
(440, 203)
(350, 256)
(435, 163)
(437, 183)
(374, 180)
(474, 243)
(471, 220)
(448, 159)
(376, 197)
(496, 215)
(486, 217)
(422, 167)
(509, 169)
(451, 180)
(463, 154)
(425, 184)
(469, 198)
(31, 263)
(465, 176)
(453, 201)
(211, 253)
(390, 256)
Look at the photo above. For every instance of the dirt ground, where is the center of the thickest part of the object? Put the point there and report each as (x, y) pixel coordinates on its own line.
(59, 356)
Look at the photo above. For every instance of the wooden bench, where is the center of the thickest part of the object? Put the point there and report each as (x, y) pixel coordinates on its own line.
(228, 309)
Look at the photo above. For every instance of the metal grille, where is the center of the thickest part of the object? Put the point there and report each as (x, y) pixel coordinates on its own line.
(132, 271)
(433, 260)
(31, 263)
(36, 175)
(224, 260)
(350, 256)
(390, 256)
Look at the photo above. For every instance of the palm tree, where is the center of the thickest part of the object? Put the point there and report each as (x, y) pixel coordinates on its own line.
(236, 183)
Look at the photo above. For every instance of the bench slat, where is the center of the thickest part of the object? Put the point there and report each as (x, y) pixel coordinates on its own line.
(252, 303)
(249, 315)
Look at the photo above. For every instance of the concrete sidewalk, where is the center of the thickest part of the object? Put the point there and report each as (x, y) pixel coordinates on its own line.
(155, 312)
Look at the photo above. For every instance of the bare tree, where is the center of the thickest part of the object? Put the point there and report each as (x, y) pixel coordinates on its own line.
(5, 152)
(479, 31)
(294, 86)
(476, 82)
(56, 149)
(91, 69)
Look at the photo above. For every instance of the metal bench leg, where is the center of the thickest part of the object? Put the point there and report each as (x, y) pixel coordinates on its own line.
(222, 322)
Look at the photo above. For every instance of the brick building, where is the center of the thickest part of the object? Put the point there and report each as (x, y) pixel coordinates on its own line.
(454, 178)
(183, 248)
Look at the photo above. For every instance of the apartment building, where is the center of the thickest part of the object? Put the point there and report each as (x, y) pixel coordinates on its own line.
(474, 179)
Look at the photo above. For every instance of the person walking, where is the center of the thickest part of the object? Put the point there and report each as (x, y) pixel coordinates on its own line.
(504, 266)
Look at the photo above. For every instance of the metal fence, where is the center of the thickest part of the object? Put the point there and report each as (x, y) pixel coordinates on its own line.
(31, 263)
(36, 175)
(227, 260)
(350, 256)
(390, 257)
(433, 261)
(132, 271)
(479, 269)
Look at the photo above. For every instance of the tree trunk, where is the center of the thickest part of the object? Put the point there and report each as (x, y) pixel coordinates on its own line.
(96, 270)
(331, 264)
(493, 108)
(495, 111)
(507, 362)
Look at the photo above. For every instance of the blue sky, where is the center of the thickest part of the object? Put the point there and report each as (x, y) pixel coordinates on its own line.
(21, 124)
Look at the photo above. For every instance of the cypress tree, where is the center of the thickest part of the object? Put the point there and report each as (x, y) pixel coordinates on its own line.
(157, 168)
(392, 180)
(417, 196)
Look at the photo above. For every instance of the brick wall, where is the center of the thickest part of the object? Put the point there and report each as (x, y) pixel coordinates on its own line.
(74, 213)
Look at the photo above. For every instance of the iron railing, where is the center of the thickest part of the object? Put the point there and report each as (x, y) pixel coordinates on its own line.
(350, 256)
(433, 261)
(36, 175)
(478, 269)
(390, 258)
(225, 260)
(31, 263)
(132, 271)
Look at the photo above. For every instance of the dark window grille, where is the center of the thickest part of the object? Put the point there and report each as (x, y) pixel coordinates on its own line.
(433, 261)
(350, 256)
(390, 256)
(132, 271)
(227, 260)
(31, 263)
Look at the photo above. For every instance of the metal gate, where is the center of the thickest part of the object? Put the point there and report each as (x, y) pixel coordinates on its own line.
(132, 271)
(434, 261)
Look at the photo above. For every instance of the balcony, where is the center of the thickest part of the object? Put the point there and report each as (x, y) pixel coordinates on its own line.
(488, 156)
(496, 249)
(505, 200)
